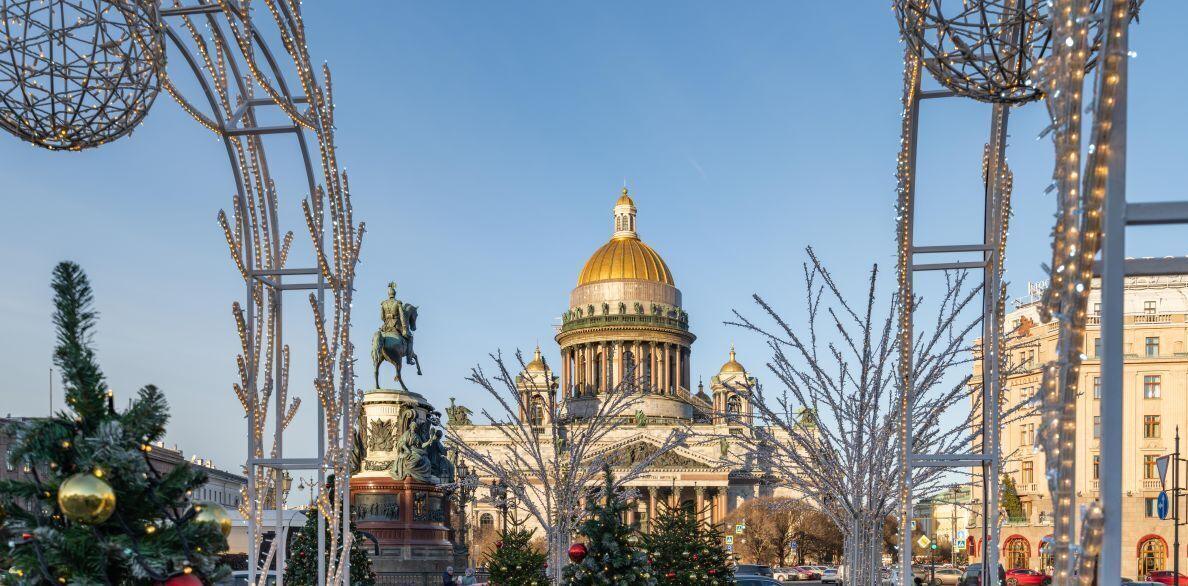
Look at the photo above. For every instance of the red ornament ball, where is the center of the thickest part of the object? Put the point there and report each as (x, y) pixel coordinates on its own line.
(694, 556)
(577, 552)
(670, 575)
(713, 572)
(498, 544)
(183, 580)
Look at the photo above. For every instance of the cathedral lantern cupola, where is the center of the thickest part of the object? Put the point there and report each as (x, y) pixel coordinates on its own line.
(732, 389)
(625, 216)
(537, 387)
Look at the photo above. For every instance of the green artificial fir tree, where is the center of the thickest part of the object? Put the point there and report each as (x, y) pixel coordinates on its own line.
(1011, 502)
(301, 567)
(683, 550)
(610, 558)
(95, 510)
(514, 562)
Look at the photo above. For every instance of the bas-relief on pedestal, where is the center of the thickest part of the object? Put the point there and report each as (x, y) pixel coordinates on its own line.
(397, 494)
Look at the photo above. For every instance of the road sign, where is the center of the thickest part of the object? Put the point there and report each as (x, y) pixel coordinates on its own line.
(792, 545)
(960, 544)
(962, 535)
(913, 525)
(730, 548)
(924, 541)
(740, 528)
(729, 540)
(1161, 463)
(1162, 505)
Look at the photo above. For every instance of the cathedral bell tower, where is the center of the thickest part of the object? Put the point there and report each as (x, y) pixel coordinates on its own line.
(731, 388)
(537, 387)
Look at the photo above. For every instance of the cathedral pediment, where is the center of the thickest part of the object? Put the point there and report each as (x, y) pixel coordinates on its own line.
(632, 452)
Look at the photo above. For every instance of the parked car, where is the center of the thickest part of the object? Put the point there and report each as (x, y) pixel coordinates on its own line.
(791, 574)
(756, 581)
(833, 575)
(947, 577)
(1025, 577)
(973, 575)
(1167, 577)
(812, 572)
(240, 578)
(753, 570)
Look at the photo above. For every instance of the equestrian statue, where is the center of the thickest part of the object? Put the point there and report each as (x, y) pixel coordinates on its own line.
(393, 342)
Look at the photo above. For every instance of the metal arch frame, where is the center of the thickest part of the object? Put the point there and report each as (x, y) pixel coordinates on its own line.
(996, 209)
(241, 124)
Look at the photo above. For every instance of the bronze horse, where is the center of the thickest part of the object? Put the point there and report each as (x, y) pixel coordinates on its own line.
(395, 349)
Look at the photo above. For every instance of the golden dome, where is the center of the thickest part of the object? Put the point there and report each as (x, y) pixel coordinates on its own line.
(625, 257)
(537, 364)
(625, 200)
(732, 365)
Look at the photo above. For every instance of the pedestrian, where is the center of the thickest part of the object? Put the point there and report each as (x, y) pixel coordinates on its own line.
(468, 579)
(447, 577)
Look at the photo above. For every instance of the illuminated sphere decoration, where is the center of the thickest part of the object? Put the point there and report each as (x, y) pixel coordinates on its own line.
(983, 49)
(75, 74)
(87, 499)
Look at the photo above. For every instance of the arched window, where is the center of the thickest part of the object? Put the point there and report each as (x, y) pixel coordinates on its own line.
(1152, 554)
(971, 547)
(1016, 553)
(536, 413)
(1047, 556)
(486, 521)
(734, 405)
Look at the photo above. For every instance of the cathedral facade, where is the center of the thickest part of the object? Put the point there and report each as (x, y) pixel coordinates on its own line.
(625, 320)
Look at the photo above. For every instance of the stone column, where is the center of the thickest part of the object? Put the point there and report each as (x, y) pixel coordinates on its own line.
(653, 492)
(618, 363)
(588, 351)
(565, 388)
(674, 499)
(699, 502)
(680, 369)
(604, 382)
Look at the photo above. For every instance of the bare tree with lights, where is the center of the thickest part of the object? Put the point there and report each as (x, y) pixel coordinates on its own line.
(831, 432)
(552, 466)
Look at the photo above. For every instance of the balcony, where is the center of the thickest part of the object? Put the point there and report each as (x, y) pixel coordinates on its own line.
(1153, 318)
(1152, 484)
(1093, 320)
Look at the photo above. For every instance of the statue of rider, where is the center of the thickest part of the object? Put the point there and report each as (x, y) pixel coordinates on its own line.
(394, 320)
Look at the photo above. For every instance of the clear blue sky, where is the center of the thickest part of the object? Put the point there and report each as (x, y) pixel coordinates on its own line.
(486, 143)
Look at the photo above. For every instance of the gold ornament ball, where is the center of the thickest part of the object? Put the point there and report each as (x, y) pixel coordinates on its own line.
(215, 514)
(87, 499)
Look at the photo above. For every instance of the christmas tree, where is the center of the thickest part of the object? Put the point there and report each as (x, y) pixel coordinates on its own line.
(95, 510)
(302, 565)
(608, 557)
(514, 562)
(683, 550)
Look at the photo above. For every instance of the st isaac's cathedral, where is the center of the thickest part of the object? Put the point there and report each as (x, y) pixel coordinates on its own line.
(625, 313)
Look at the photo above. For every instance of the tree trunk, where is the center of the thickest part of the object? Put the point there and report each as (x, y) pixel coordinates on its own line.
(863, 555)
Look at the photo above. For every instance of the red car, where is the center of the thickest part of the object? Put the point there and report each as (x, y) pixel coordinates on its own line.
(1167, 577)
(1029, 578)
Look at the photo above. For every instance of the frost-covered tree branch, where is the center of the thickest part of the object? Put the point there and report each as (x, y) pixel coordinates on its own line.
(551, 460)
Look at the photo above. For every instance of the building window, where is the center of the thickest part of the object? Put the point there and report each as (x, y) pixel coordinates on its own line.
(1018, 553)
(1148, 307)
(1096, 427)
(537, 412)
(1150, 472)
(1152, 346)
(734, 405)
(1096, 467)
(1152, 555)
(1096, 347)
(1150, 426)
(1031, 433)
(1151, 507)
(486, 521)
(1097, 308)
(1028, 475)
(1151, 386)
(1097, 387)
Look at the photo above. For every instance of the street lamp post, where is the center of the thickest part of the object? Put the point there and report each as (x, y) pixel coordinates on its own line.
(466, 484)
(499, 496)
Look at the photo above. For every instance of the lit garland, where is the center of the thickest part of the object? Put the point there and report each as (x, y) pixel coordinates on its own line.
(1076, 241)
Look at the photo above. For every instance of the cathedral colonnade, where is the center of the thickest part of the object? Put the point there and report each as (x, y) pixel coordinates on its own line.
(592, 368)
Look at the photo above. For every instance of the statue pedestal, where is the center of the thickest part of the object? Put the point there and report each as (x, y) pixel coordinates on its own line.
(408, 518)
